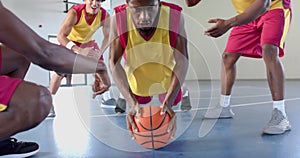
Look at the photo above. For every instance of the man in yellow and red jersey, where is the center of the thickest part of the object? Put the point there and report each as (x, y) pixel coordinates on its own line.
(259, 31)
(150, 35)
(23, 104)
(76, 33)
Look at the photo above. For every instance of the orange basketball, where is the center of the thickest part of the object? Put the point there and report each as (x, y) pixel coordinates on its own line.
(152, 128)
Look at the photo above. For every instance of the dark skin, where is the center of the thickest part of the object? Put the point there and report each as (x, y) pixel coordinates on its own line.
(31, 103)
(145, 21)
(275, 73)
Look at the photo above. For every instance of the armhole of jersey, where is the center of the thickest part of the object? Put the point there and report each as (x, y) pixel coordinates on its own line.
(175, 14)
(121, 20)
(103, 15)
(78, 11)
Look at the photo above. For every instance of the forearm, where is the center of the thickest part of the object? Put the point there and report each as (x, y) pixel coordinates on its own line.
(54, 57)
(251, 13)
(121, 81)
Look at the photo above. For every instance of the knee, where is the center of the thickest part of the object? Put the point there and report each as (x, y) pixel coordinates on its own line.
(32, 110)
(270, 53)
(44, 101)
(227, 60)
(41, 105)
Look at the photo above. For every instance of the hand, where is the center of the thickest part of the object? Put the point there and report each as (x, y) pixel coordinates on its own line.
(135, 111)
(101, 84)
(221, 26)
(173, 125)
(90, 52)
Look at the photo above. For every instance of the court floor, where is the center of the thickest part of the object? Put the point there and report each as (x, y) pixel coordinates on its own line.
(82, 129)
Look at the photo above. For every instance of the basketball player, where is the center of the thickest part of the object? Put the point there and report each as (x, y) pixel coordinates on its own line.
(76, 33)
(23, 105)
(259, 31)
(150, 35)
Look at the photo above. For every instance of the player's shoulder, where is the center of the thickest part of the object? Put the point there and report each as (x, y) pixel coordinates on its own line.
(120, 8)
(172, 5)
(78, 7)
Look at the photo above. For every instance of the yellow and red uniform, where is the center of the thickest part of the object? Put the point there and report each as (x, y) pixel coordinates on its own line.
(149, 60)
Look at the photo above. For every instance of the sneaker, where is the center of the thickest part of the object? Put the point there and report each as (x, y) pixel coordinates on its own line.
(110, 103)
(219, 112)
(10, 148)
(120, 106)
(52, 112)
(185, 103)
(278, 123)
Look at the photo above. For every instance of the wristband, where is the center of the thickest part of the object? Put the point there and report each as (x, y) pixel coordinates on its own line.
(70, 45)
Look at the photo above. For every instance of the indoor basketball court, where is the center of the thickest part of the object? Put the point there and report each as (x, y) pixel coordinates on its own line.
(84, 129)
(96, 132)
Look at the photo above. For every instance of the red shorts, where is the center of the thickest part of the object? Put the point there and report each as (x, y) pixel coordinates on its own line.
(145, 100)
(270, 28)
(7, 87)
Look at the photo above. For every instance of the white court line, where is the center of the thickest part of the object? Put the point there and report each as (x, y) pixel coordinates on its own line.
(240, 87)
(242, 96)
(204, 108)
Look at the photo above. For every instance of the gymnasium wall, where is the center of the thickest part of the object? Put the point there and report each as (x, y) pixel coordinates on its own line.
(204, 52)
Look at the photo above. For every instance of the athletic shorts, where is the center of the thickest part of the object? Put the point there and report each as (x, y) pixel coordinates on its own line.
(270, 28)
(147, 99)
(8, 86)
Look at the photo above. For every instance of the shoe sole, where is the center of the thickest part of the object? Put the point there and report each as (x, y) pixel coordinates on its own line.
(20, 155)
(107, 106)
(275, 131)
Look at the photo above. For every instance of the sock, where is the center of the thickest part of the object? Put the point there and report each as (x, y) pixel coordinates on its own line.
(106, 95)
(53, 96)
(121, 96)
(225, 100)
(186, 93)
(279, 104)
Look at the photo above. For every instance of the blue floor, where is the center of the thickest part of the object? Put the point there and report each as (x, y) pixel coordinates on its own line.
(82, 129)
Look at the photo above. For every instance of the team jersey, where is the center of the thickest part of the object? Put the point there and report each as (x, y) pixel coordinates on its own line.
(84, 30)
(242, 5)
(149, 61)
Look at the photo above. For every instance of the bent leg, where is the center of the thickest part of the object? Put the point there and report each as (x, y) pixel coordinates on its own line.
(29, 106)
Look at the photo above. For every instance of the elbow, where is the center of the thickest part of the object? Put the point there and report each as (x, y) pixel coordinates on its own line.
(191, 3)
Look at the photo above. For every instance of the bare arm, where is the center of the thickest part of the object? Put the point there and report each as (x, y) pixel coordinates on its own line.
(180, 69)
(65, 29)
(191, 3)
(18, 36)
(105, 30)
(221, 26)
(118, 72)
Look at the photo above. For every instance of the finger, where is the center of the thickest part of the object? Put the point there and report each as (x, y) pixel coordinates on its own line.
(134, 125)
(170, 112)
(100, 91)
(163, 109)
(129, 126)
(212, 21)
(174, 128)
(171, 125)
(138, 111)
(211, 29)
